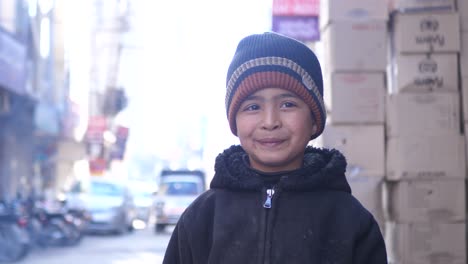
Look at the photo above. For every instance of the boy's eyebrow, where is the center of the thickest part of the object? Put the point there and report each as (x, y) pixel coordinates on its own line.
(288, 94)
(252, 97)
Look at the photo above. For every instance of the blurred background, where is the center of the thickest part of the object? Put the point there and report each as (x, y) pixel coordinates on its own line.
(120, 87)
(112, 114)
(97, 99)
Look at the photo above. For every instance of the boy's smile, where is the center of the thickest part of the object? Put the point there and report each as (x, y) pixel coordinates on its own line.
(274, 126)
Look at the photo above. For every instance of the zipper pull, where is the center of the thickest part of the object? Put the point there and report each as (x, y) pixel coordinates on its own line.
(270, 193)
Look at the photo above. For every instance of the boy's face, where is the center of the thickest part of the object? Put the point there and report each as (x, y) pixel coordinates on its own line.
(274, 126)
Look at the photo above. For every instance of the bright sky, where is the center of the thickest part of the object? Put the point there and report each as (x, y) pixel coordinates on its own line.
(174, 69)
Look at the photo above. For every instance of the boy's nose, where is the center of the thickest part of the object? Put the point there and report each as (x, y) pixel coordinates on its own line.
(271, 119)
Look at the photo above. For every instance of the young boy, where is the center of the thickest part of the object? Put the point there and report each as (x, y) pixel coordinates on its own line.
(274, 199)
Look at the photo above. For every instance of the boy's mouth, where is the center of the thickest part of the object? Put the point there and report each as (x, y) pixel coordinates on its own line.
(270, 141)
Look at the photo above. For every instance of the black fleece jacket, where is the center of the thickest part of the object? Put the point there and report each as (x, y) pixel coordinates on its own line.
(307, 216)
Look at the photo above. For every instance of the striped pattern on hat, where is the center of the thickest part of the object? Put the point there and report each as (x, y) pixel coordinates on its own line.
(271, 60)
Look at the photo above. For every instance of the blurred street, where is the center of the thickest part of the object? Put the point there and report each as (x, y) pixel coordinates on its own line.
(141, 246)
(104, 104)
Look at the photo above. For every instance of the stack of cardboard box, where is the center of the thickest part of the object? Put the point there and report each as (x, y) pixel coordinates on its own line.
(425, 158)
(354, 42)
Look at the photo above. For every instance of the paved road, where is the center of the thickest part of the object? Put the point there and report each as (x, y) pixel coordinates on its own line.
(142, 246)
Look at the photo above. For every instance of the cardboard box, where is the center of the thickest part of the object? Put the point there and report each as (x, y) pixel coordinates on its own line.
(369, 191)
(424, 243)
(426, 157)
(352, 10)
(363, 147)
(427, 32)
(421, 5)
(355, 98)
(436, 72)
(355, 46)
(418, 114)
(413, 201)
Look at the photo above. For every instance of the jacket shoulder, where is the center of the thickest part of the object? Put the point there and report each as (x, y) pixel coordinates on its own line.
(201, 205)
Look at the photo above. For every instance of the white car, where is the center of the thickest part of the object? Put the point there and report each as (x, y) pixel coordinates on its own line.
(109, 203)
(176, 193)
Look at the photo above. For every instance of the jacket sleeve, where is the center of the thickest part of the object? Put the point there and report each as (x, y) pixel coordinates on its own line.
(370, 246)
(178, 250)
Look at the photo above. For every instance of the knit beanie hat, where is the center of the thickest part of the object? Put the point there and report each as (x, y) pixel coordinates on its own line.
(271, 60)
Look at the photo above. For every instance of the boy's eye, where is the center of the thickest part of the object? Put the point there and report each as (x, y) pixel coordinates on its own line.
(288, 104)
(251, 107)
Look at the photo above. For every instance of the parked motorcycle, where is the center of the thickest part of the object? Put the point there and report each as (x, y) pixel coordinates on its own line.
(58, 227)
(14, 238)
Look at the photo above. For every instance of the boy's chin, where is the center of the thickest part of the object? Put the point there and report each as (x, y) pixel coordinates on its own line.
(274, 164)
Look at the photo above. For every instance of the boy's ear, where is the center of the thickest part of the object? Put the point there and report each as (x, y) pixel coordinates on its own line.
(314, 129)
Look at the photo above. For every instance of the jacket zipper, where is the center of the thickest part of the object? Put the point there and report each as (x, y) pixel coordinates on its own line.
(268, 201)
(267, 205)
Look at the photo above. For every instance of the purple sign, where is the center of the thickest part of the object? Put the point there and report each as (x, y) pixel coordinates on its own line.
(12, 63)
(304, 28)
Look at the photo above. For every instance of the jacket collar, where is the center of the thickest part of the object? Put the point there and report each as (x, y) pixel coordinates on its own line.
(323, 169)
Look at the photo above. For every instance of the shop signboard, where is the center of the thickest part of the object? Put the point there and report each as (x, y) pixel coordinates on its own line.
(118, 149)
(304, 28)
(297, 19)
(296, 7)
(97, 125)
(97, 166)
(12, 63)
